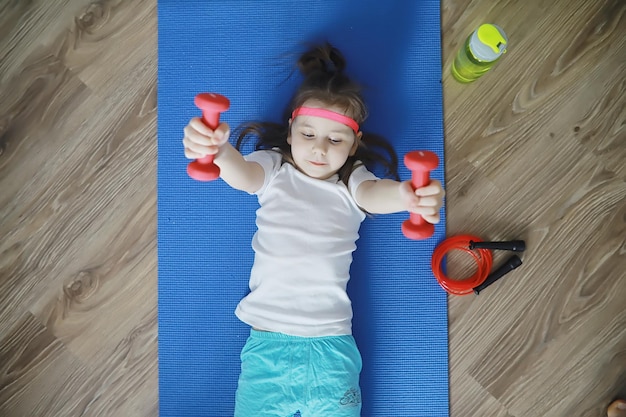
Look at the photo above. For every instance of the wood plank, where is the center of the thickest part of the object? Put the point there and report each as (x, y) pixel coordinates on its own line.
(474, 400)
(35, 370)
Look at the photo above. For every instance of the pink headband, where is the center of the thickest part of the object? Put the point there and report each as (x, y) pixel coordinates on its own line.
(327, 114)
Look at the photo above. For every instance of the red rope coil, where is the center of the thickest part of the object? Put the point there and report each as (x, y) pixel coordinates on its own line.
(483, 258)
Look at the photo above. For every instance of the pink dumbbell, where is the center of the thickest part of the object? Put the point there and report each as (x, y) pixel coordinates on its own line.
(212, 105)
(420, 163)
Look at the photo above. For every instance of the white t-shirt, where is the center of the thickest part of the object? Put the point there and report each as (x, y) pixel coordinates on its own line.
(307, 229)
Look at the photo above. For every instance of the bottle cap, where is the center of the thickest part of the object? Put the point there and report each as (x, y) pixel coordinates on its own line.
(488, 42)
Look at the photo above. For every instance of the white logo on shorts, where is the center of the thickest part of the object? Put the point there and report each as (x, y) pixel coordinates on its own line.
(351, 398)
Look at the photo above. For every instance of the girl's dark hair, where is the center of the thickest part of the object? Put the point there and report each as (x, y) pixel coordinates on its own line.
(324, 80)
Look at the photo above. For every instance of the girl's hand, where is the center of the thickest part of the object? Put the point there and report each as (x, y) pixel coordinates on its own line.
(425, 201)
(201, 140)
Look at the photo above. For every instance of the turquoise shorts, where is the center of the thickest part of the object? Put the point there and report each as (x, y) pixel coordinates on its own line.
(286, 376)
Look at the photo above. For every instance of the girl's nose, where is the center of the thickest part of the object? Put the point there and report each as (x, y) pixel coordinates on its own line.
(320, 146)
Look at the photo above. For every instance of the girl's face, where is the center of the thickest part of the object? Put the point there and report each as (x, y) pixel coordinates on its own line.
(320, 146)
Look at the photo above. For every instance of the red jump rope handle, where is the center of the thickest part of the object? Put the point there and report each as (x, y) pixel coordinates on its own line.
(420, 163)
(212, 105)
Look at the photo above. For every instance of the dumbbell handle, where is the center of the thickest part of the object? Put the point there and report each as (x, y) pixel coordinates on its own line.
(421, 163)
(419, 179)
(211, 105)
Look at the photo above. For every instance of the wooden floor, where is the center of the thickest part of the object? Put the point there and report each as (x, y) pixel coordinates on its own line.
(536, 149)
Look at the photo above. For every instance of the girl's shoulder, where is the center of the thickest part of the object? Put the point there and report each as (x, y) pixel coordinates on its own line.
(266, 157)
(359, 174)
(270, 160)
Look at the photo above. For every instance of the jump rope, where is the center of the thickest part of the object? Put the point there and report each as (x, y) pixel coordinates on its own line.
(421, 163)
(481, 252)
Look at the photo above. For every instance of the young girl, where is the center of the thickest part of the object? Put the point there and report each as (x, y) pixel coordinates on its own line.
(314, 189)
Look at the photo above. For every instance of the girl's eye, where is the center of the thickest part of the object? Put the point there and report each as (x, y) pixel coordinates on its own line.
(334, 141)
(307, 135)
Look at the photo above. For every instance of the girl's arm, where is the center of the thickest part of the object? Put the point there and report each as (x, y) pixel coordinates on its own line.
(387, 196)
(237, 172)
(240, 174)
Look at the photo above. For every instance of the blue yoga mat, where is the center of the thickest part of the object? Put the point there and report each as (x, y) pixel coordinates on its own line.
(246, 50)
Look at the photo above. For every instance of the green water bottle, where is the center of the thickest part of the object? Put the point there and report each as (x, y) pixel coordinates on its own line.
(481, 51)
